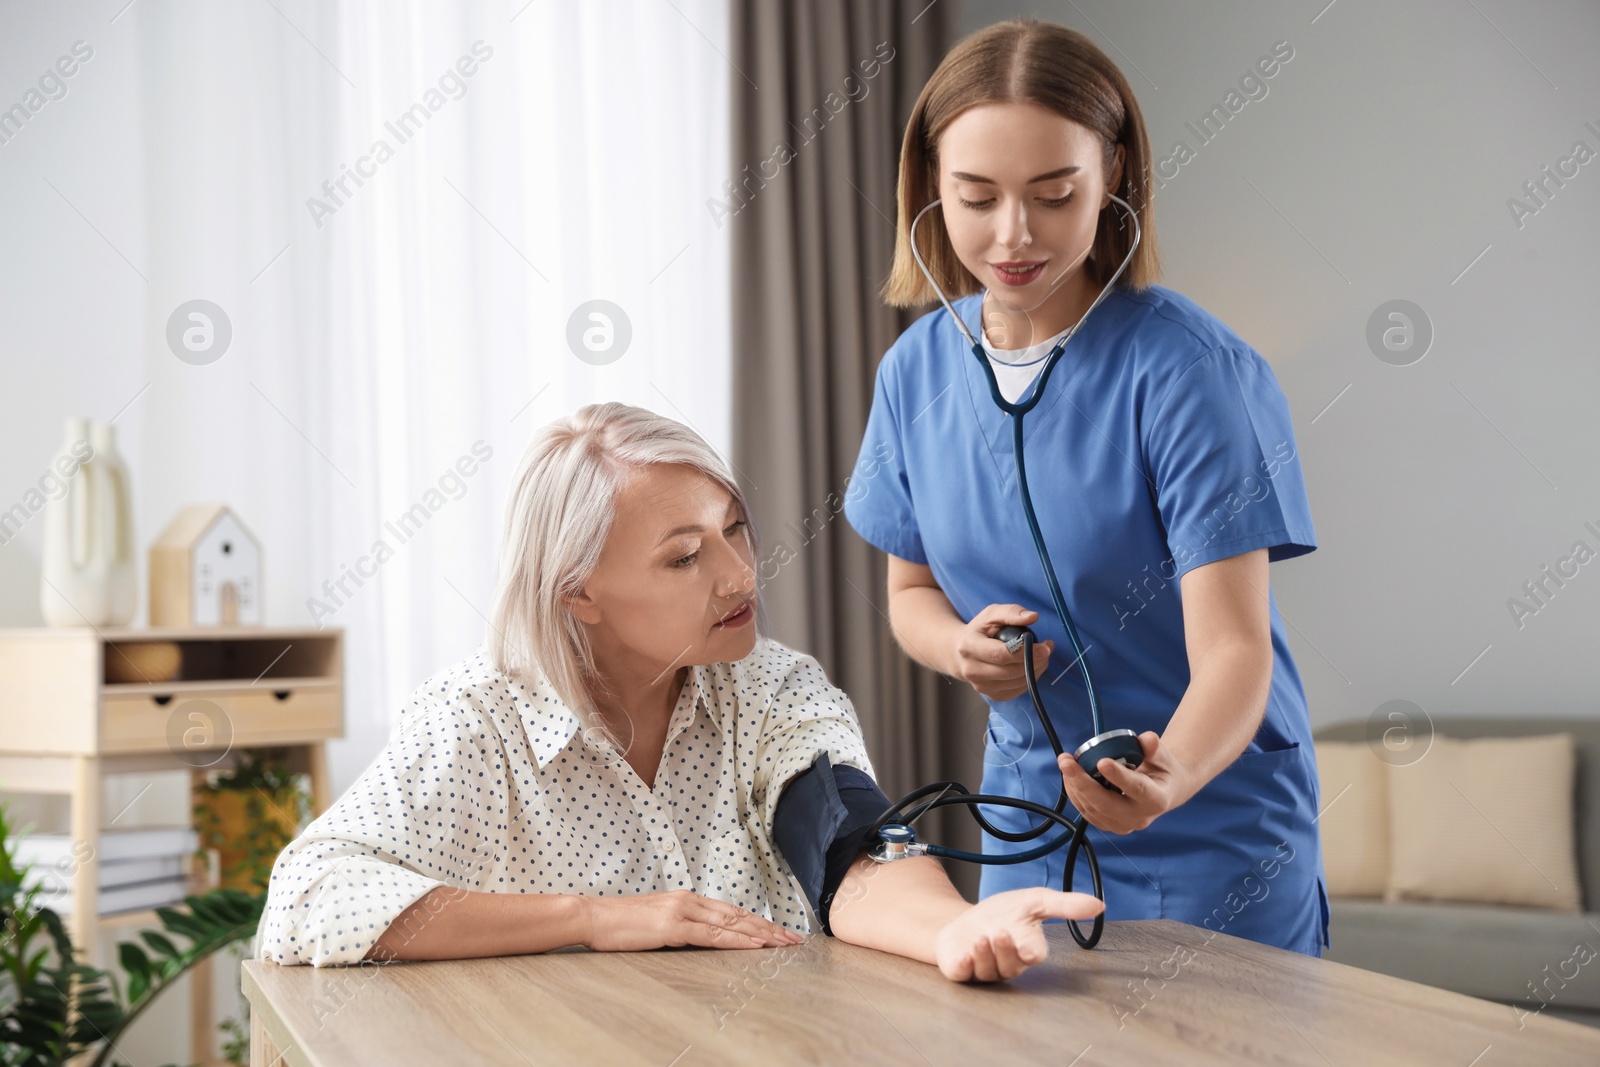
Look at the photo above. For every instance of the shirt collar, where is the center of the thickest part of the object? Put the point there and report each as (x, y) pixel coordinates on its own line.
(551, 724)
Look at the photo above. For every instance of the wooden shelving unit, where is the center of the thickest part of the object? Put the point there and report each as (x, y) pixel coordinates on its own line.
(63, 727)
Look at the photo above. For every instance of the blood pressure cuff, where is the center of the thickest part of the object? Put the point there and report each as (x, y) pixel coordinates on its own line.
(821, 827)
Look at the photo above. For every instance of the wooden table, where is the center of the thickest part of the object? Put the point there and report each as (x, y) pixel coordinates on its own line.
(1153, 992)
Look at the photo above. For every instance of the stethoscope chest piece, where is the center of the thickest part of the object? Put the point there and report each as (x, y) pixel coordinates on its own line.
(896, 841)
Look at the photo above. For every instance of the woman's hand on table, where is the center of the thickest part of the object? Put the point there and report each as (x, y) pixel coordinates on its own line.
(660, 920)
(983, 662)
(1155, 787)
(1001, 937)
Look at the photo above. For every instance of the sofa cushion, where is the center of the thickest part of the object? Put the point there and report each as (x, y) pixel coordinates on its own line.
(1486, 821)
(1355, 818)
(1580, 722)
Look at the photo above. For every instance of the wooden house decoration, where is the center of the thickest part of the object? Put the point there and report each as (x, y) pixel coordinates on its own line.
(205, 570)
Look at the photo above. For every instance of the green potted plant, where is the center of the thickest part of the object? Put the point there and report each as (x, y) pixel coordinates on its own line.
(54, 1009)
(249, 814)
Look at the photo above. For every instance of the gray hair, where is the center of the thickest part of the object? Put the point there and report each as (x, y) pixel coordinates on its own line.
(562, 507)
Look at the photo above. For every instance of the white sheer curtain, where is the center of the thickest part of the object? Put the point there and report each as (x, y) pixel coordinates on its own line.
(388, 333)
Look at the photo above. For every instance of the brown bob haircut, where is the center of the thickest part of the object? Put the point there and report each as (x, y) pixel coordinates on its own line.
(1022, 61)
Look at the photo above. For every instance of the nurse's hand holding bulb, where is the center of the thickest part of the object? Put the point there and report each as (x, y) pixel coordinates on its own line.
(1156, 786)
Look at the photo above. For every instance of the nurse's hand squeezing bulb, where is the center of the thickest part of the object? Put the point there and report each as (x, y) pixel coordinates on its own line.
(1120, 745)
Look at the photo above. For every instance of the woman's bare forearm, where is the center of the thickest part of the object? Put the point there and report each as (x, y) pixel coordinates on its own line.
(897, 907)
(926, 625)
(447, 923)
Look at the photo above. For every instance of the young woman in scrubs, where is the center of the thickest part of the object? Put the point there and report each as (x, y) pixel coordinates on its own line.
(1165, 476)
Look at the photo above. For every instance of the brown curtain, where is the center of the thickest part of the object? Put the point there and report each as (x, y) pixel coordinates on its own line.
(816, 142)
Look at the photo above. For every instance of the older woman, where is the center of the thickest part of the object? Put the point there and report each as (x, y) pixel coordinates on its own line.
(628, 764)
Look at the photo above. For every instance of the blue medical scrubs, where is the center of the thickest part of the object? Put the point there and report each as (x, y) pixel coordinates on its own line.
(1163, 442)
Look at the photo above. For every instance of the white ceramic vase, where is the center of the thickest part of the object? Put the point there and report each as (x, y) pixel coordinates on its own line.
(87, 559)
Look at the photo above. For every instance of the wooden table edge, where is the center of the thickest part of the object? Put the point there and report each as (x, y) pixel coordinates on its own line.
(265, 1022)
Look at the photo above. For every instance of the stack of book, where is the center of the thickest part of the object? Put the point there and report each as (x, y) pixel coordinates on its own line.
(140, 867)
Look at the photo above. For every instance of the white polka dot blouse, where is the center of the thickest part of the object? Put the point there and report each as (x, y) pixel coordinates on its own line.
(491, 785)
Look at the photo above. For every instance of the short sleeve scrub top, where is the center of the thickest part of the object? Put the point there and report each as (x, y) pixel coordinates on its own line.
(1162, 442)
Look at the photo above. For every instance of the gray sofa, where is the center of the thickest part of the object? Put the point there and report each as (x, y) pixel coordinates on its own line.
(1519, 956)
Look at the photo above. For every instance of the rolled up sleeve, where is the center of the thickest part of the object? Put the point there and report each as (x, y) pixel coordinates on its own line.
(429, 812)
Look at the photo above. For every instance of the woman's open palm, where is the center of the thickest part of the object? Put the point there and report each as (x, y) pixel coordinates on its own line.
(1001, 937)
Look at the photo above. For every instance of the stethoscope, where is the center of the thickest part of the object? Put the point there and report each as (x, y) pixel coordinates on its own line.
(895, 829)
